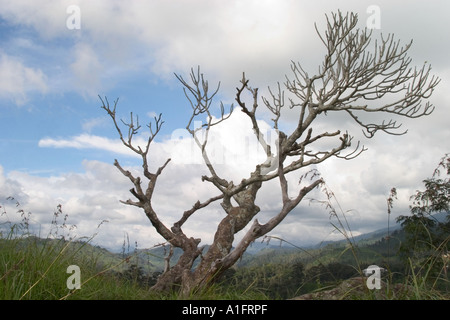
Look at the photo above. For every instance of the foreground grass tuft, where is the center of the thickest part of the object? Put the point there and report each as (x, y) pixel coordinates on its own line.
(34, 268)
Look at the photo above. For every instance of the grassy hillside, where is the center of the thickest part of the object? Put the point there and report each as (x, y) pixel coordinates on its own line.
(37, 268)
(34, 268)
(288, 271)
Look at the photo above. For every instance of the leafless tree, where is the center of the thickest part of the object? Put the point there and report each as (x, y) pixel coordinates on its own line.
(352, 79)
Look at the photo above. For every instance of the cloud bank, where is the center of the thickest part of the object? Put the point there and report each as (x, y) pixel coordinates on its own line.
(361, 187)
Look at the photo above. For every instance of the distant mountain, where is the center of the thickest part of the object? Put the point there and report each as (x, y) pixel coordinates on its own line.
(258, 246)
(153, 259)
(380, 233)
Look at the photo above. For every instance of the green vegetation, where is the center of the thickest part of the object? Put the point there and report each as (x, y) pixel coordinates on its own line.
(37, 268)
(295, 272)
(416, 258)
(34, 268)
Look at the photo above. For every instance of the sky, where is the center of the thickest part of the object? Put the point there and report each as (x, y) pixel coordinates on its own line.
(57, 146)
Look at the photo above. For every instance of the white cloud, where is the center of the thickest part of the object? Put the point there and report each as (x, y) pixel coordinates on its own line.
(17, 81)
(89, 124)
(87, 198)
(9, 188)
(258, 37)
(88, 141)
(45, 16)
(231, 146)
(87, 70)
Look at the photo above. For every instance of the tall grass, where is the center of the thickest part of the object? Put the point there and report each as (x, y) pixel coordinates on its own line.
(423, 278)
(35, 268)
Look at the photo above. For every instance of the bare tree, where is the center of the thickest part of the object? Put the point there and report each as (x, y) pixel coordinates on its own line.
(352, 79)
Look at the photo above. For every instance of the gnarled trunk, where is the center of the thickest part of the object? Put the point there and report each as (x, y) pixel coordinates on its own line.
(212, 265)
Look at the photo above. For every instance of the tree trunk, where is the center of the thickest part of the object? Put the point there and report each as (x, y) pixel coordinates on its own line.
(212, 263)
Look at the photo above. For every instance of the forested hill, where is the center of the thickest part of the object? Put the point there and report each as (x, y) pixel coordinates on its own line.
(277, 269)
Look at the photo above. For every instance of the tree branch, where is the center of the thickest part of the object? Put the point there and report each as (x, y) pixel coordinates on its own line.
(144, 197)
(270, 160)
(200, 101)
(198, 205)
